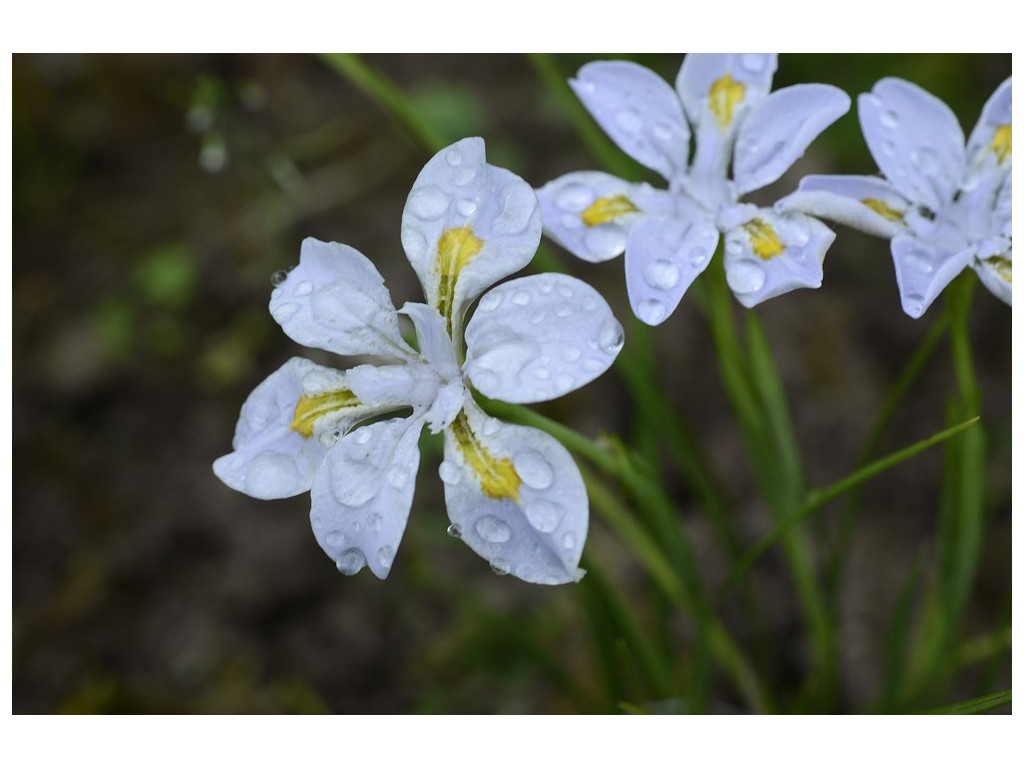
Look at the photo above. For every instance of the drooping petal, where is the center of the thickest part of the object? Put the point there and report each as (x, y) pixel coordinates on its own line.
(538, 337)
(516, 497)
(466, 225)
(867, 203)
(991, 139)
(915, 139)
(639, 111)
(718, 90)
(779, 129)
(363, 493)
(773, 254)
(271, 460)
(663, 258)
(996, 273)
(589, 213)
(923, 270)
(335, 299)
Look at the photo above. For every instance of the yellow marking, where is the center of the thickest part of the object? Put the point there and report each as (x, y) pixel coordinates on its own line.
(311, 408)
(726, 94)
(498, 477)
(1002, 142)
(1002, 266)
(607, 208)
(455, 250)
(763, 239)
(883, 209)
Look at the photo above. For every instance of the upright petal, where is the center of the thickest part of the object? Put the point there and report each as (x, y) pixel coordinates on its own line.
(639, 111)
(718, 90)
(272, 460)
(466, 225)
(362, 496)
(923, 270)
(773, 254)
(664, 256)
(516, 497)
(539, 337)
(336, 300)
(867, 203)
(778, 131)
(991, 139)
(915, 139)
(589, 213)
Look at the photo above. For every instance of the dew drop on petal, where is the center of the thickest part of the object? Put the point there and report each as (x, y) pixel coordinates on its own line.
(745, 276)
(604, 239)
(539, 316)
(351, 561)
(541, 373)
(565, 291)
(571, 221)
(466, 206)
(279, 277)
(544, 515)
(651, 311)
(304, 288)
(919, 262)
(889, 148)
(925, 160)
(375, 521)
(610, 337)
(491, 301)
(268, 473)
(571, 353)
(449, 472)
(753, 62)
(563, 310)
(589, 303)
(565, 383)
(501, 566)
(285, 312)
(362, 436)
(915, 304)
(455, 531)
(534, 470)
(662, 274)
(629, 120)
(521, 298)
(889, 119)
(594, 365)
(386, 556)
(334, 538)
(698, 256)
(490, 427)
(428, 202)
(454, 157)
(574, 198)
(397, 476)
(662, 132)
(493, 530)
(569, 540)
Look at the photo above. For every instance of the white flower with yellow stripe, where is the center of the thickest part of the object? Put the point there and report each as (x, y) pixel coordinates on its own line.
(944, 206)
(669, 236)
(513, 493)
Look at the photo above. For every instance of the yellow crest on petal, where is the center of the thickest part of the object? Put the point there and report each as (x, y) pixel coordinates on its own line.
(498, 477)
(312, 408)
(455, 249)
(1002, 142)
(1002, 266)
(725, 95)
(763, 239)
(883, 209)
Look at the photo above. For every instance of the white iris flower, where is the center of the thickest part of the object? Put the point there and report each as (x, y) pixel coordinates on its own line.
(669, 236)
(513, 493)
(944, 207)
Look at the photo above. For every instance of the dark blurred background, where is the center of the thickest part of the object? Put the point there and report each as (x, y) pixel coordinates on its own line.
(154, 197)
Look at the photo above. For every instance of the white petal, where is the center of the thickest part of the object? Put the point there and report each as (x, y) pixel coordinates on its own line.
(270, 460)
(639, 111)
(754, 277)
(663, 258)
(389, 387)
(915, 139)
(363, 493)
(589, 213)
(779, 129)
(539, 337)
(336, 300)
(856, 201)
(529, 514)
(466, 225)
(996, 114)
(923, 270)
(995, 275)
(435, 345)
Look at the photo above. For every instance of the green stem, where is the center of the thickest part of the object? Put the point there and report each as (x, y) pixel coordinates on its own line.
(976, 706)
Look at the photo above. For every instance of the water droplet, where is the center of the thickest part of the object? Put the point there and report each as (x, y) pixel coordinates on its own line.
(651, 311)
(285, 312)
(544, 515)
(565, 383)
(279, 277)
(571, 221)
(454, 157)
(534, 470)
(501, 566)
(362, 435)
(629, 120)
(662, 132)
(466, 206)
(386, 556)
(351, 561)
(547, 285)
(888, 119)
(304, 288)
(913, 305)
(563, 310)
(539, 316)
(276, 294)
(574, 198)
(889, 147)
(565, 291)
(334, 538)
(428, 202)
(610, 337)
(491, 301)
(464, 176)
(375, 521)
(662, 274)
(490, 427)
(589, 302)
(455, 531)
(449, 472)
(269, 473)
(572, 354)
(698, 256)
(920, 262)
(569, 540)
(925, 160)
(521, 298)
(397, 476)
(734, 246)
(754, 62)
(745, 276)
(493, 530)
(604, 240)
(594, 365)
(541, 373)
